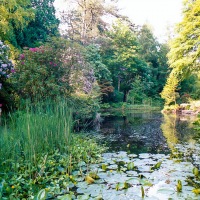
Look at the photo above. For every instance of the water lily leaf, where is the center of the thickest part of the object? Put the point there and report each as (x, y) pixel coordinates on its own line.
(132, 155)
(144, 155)
(168, 191)
(60, 169)
(65, 197)
(41, 195)
(131, 173)
(134, 181)
(112, 167)
(89, 179)
(83, 197)
(80, 164)
(130, 166)
(99, 197)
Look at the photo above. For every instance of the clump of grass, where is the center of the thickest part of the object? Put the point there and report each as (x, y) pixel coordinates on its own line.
(40, 128)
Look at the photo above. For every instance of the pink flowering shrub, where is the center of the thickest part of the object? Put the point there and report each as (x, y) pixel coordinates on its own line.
(42, 73)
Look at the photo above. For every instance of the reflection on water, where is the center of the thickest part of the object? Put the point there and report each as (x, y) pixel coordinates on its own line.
(147, 132)
(169, 130)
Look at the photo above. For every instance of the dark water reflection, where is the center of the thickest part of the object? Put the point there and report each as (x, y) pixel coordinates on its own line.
(147, 132)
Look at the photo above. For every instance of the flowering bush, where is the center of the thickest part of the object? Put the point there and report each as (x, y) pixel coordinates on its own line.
(6, 66)
(40, 72)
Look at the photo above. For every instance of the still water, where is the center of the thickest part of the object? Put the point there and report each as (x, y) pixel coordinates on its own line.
(147, 132)
(151, 156)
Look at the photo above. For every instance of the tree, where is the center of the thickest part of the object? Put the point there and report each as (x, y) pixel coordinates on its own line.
(169, 92)
(101, 72)
(185, 49)
(14, 16)
(155, 55)
(44, 26)
(85, 21)
(124, 61)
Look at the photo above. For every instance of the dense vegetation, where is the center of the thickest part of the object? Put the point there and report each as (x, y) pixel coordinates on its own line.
(92, 61)
(52, 82)
(183, 80)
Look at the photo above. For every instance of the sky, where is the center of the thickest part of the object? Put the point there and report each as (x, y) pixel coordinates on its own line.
(160, 14)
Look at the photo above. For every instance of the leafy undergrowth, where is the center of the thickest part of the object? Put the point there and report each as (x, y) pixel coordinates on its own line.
(52, 176)
(88, 174)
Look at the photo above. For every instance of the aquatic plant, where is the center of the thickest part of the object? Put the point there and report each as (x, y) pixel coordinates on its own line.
(38, 151)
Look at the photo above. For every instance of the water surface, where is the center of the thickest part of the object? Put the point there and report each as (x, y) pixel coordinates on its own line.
(137, 143)
(146, 132)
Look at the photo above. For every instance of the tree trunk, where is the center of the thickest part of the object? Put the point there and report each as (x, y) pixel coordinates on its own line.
(119, 83)
(125, 96)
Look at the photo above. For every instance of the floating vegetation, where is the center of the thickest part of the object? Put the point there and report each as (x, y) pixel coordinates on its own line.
(135, 178)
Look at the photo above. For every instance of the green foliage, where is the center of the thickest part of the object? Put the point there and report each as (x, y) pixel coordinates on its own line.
(101, 72)
(39, 72)
(15, 15)
(184, 49)
(40, 128)
(6, 69)
(169, 92)
(38, 152)
(53, 70)
(94, 58)
(155, 55)
(124, 61)
(137, 93)
(44, 26)
(190, 88)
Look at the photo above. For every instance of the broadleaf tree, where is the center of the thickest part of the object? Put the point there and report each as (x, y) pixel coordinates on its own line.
(184, 55)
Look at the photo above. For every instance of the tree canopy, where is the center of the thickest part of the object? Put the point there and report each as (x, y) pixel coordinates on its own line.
(184, 49)
(14, 15)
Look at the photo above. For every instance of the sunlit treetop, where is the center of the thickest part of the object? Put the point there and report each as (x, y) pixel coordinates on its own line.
(185, 48)
(184, 55)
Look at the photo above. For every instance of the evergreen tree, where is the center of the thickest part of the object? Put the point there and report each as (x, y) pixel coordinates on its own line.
(44, 25)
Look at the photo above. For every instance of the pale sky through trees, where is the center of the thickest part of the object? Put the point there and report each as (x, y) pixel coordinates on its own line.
(160, 14)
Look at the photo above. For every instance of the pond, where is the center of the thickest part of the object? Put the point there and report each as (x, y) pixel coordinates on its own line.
(150, 156)
(146, 132)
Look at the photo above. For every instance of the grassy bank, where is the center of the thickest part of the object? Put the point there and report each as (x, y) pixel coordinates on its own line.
(128, 106)
(38, 151)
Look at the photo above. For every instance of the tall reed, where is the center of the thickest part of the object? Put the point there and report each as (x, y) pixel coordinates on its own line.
(40, 128)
